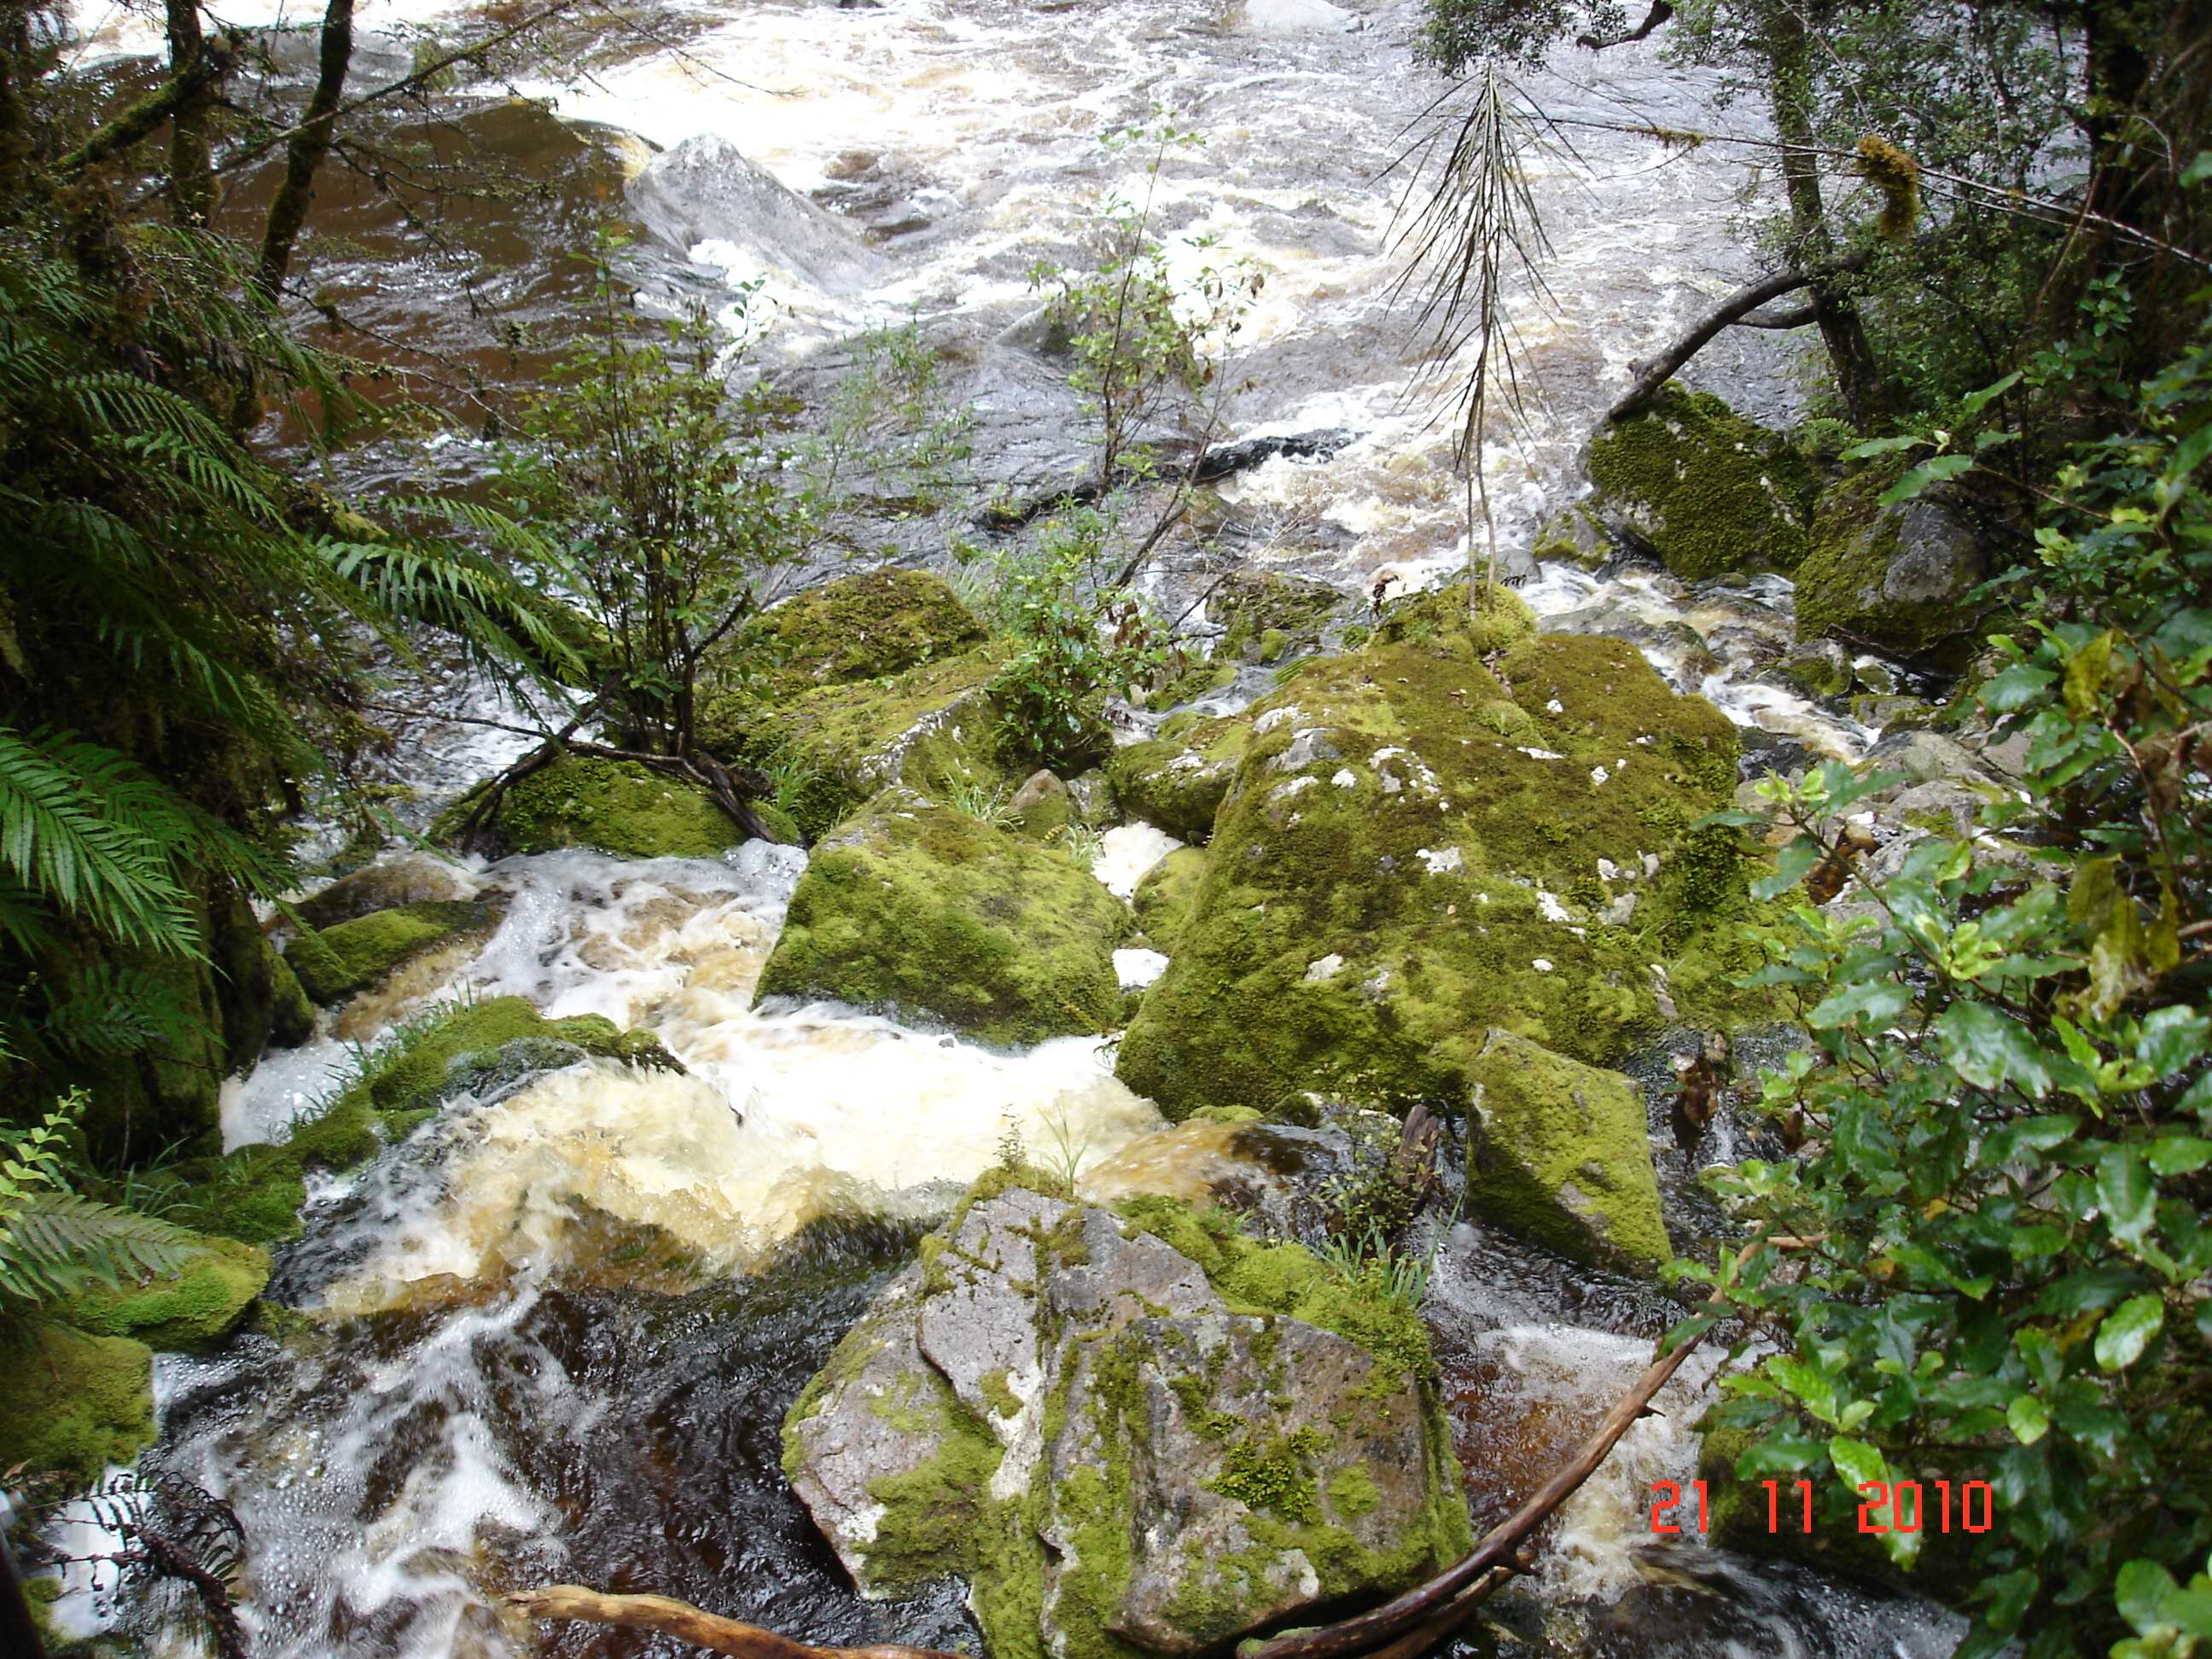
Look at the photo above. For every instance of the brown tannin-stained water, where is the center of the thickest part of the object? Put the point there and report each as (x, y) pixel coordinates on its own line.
(557, 1327)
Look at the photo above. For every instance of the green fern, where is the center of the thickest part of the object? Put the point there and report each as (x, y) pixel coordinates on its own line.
(55, 1243)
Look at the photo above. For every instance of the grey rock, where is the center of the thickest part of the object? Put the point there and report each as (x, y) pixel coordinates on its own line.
(1928, 756)
(1938, 559)
(1193, 1436)
(1215, 1395)
(706, 190)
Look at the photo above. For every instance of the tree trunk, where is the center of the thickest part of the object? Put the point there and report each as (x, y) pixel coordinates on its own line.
(304, 154)
(1858, 377)
(191, 164)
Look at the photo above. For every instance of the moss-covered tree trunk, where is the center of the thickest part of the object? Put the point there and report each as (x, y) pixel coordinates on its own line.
(192, 165)
(303, 154)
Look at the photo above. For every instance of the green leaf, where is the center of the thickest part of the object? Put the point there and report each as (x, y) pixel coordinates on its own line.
(1872, 1002)
(1938, 469)
(1990, 1051)
(2199, 168)
(2140, 1590)
(1873, 447)
(2180, 1154)
(2020, 686)
(1975, 401)
(1856, 1461)
(2027, 1418)
(2126, 1194)
(2128, 1330)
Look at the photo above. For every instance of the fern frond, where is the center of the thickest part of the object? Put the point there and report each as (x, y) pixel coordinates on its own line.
(87, 831)
(55, 1244)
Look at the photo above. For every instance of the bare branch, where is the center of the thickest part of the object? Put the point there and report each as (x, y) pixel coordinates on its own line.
(1659, 12)
(1738, 306)
(670, 1617)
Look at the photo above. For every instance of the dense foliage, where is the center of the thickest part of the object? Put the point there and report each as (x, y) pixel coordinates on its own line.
(1994, 1253)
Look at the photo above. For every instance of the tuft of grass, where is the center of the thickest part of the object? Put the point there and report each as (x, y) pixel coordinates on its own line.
(1083, 844)
(989, 804)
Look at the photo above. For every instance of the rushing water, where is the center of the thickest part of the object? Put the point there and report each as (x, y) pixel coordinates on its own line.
(544, 1346)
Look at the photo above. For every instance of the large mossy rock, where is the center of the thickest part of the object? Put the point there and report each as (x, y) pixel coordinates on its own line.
(1704, 490)
(1561, 1152)
(932, 725)
(622, 808)
(1175, 782)
(193, 1308)
(1417, 849)
(72, 1404)
(410, 878)
(917, 907)
(858, 627)
(1893, 577)
(333, 964)
(1122, 1445)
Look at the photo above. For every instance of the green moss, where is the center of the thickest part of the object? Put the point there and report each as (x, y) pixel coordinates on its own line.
(1572, 536)
(622, 808)
(857, 628)
(917, 907)
(839, 744)
(1708, 491)
(1352, 1492)
(1273, 1474)
(1265, 615)
(1383, 819)
(1176, 781)
(1227, 1115)
(936, 1516)
(334, 963)
(1003, 1399)
(1163, 897)
(198, 1305)
(71, 1404)
(1562, 1154)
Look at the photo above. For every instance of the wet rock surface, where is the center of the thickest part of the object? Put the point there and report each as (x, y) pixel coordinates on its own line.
(1129, 1440)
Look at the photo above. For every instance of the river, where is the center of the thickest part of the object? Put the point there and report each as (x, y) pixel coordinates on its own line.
(542, 1351)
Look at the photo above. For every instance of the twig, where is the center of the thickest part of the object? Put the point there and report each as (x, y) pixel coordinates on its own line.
(687, 1623)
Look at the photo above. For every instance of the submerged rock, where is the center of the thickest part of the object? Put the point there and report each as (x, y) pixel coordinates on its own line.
(1704, 489)
(1890, 576)
(1101, 1432)
(917, 907)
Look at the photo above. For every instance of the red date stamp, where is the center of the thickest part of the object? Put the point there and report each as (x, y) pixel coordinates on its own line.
(1885, 1506)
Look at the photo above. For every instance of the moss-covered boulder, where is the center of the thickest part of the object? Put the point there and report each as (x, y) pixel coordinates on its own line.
(916, 906)
(1893, 577)
(1703, 489)
(334, 963)
(1574, 535)
(1133, 1434)
(1418, 847)
(193, 1308)
(1176, 780)
(830, 749)
(1265, 615)
(1165, 894)
(622, 808)
(857, 628)
(71, 1404)
(1559, 1152)
(410, 878)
